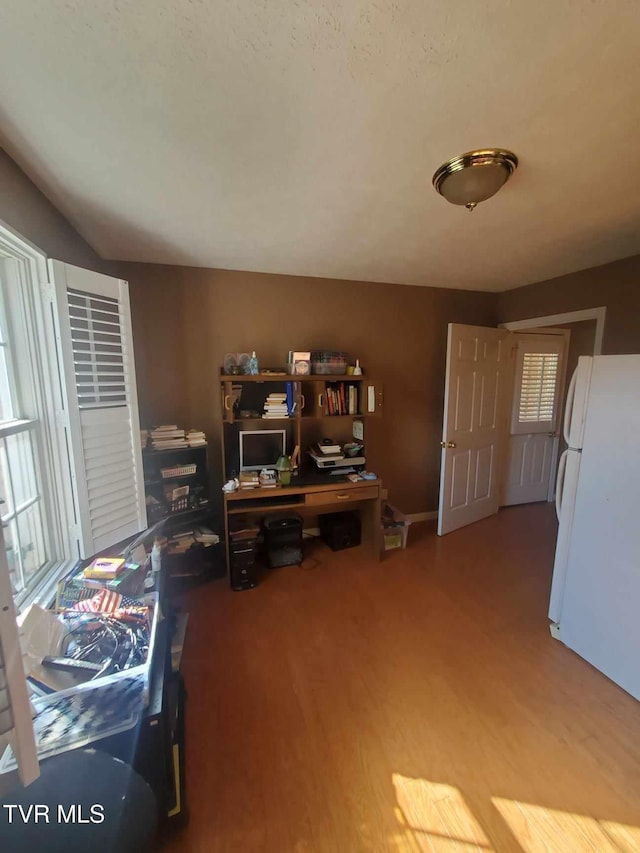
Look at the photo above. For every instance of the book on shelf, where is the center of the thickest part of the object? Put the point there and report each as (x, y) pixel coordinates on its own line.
(328, 446)
(196, 438)
(170, 444)
(206, 536)
(105, 568)
(353, 400)
(318, 453)
(290, 400)
(167, 432)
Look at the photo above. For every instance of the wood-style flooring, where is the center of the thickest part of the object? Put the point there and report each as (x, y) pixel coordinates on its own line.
(415, 704)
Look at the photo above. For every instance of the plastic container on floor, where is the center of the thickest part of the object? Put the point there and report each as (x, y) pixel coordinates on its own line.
(395, 528)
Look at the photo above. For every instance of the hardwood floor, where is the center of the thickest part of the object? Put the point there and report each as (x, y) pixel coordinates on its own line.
(415, 704)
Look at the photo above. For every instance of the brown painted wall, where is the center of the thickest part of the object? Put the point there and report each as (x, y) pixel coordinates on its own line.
(25, 209)
(185, 319)
(616, 285)
(581, 342)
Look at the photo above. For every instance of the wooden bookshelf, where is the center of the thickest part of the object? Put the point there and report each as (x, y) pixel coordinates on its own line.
(312, 418)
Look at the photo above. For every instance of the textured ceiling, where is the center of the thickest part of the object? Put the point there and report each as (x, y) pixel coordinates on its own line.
(298, 136)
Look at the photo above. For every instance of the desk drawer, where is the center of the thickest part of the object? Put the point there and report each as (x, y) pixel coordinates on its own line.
(341, 496)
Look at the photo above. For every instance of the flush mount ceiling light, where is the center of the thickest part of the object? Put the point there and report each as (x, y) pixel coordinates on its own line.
(475, 176)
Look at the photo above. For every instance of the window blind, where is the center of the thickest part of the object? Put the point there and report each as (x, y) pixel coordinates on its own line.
(538, 387)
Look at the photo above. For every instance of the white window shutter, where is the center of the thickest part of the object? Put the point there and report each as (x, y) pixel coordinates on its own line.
(536, 396)
(97, 369)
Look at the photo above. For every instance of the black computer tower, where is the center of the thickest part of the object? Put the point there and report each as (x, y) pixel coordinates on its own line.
(242, 563)
(283, 540)
(340, 530)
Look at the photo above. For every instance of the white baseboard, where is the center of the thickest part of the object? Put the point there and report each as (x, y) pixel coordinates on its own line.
(422, 516)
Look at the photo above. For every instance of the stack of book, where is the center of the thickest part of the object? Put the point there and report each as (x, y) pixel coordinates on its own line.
(326, 450)
(249, 480)
(275, 406)
(196, 438)
(167, 437)
(179, 543)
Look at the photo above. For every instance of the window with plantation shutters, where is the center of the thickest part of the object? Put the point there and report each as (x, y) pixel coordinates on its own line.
(101, 417)
(538, 388)
(535, 402)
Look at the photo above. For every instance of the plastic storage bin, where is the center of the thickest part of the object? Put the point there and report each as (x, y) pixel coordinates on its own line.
(327, 362)
(395, 528)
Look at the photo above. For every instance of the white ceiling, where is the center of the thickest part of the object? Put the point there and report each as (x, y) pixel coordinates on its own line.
(300, 136)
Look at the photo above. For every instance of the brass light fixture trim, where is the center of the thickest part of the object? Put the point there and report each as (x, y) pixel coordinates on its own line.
(475, 176)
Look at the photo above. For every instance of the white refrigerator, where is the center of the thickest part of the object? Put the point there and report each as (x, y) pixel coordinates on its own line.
(595, 593)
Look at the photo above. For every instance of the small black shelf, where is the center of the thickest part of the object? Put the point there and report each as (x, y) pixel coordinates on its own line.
(158, 487)
(168, 516)
(155, 451)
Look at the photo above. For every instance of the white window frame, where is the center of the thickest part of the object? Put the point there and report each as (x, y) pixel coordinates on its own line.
(40, 396)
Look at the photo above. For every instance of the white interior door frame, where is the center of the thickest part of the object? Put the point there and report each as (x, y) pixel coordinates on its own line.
(597, 314)
(538, 334)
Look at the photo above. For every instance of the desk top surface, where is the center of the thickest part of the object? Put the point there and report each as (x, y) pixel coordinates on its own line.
(303, 485)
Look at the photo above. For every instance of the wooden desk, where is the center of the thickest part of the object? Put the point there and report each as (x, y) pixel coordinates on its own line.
(310, 498)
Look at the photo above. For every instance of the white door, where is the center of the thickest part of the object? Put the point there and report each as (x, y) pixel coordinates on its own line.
(474, 424)
(535, 412)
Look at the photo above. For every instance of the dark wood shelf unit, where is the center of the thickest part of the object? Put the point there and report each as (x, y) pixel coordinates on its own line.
(311, 419)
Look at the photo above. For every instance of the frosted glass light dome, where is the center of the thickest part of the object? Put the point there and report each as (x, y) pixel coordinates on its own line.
(475, 176)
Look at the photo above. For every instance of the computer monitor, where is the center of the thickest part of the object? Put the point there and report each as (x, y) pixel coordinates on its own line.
(261, 448)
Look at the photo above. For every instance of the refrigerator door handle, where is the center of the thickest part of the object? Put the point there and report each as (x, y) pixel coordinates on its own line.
(568, 411)
(562, 467)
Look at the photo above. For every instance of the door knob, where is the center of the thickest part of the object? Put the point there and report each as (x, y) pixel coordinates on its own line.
(447, 444)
